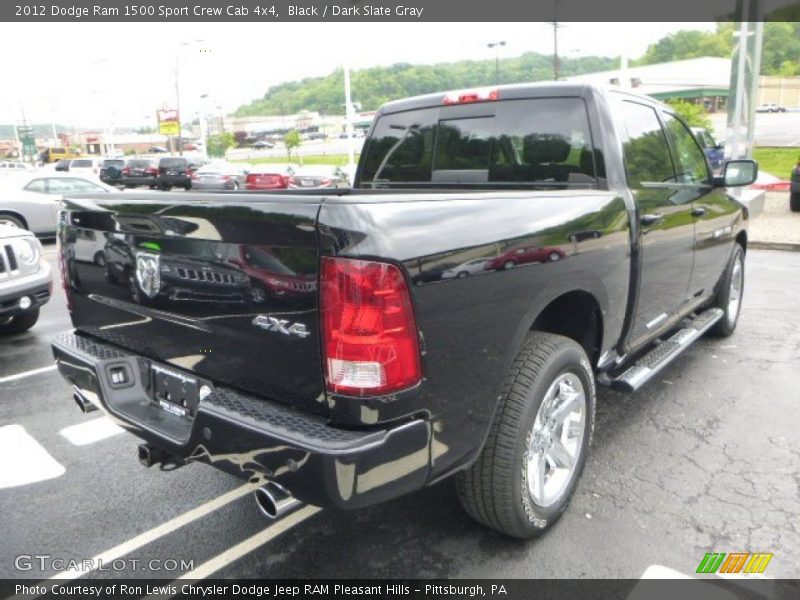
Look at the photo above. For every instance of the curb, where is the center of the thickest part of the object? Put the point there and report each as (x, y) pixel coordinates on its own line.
(786, 246)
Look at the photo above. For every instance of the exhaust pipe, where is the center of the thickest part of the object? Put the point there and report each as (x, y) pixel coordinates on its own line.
(275, 501)
(83, 402)
(150, 455)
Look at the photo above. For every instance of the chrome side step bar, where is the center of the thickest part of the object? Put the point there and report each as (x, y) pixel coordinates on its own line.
(649, 365)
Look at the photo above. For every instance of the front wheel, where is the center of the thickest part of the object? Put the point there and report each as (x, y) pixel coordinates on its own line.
(729, 294)
(794, 202)
(20, 323)
(529, 467)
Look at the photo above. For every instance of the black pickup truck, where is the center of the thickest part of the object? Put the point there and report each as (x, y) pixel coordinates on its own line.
(501, 252)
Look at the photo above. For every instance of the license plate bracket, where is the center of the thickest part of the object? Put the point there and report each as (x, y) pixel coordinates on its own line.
(174, 392)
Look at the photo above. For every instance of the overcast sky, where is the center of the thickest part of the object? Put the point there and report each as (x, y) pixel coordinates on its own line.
(126, 70)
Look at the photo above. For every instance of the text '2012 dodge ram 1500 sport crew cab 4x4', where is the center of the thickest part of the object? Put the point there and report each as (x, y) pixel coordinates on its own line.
(374, 375)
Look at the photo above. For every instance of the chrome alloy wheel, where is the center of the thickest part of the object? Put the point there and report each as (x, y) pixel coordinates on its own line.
(556, 440)
(737, 284)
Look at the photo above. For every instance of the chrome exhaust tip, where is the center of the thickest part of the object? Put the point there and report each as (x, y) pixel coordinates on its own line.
(275, 501)
(83, 403)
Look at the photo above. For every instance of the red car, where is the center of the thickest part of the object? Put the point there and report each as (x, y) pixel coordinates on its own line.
(271, 278)
(269, 177)
(524, 255)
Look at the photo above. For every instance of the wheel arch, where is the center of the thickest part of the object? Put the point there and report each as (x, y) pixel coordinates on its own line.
(15, 214)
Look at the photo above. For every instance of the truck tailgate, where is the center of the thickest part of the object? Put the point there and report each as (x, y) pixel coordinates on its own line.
(224, 286)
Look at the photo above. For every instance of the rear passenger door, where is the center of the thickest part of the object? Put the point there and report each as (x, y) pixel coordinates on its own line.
(666, 224)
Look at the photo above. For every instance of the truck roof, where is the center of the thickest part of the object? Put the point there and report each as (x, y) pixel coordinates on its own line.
(511, 92)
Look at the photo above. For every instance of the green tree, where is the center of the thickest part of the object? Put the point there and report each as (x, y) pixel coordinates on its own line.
(217, 145)
(694, 114)
(292, 141)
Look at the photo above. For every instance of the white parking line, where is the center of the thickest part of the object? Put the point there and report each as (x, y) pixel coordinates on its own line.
(236, 552)
(27, 374)
(23, 460)
(90, 432)
(153, 534)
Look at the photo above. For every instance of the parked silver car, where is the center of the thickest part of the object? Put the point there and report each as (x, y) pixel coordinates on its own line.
(26, 280)
(219, 176)
(318, 176)
(31, 201)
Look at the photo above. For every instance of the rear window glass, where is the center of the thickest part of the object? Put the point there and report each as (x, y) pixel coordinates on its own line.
(113, 163)
(544, 141)
(172, 163)
(138, 164)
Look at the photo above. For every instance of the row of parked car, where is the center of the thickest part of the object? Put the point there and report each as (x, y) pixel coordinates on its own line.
(168, 172)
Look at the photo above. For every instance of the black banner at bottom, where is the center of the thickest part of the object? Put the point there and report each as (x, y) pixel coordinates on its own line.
(711, 588)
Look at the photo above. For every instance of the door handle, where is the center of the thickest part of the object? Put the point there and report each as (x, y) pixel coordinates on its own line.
(651, 218)
(698, 211)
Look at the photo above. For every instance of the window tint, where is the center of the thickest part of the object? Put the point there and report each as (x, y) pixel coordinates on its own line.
(646, 152)
(543, 140)
(37, 185)
(138, 164)
(690, 161)
(172, 163)
(401, 148)
(80, 164)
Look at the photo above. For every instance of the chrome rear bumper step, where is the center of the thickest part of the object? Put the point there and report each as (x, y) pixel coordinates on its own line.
(649, 365)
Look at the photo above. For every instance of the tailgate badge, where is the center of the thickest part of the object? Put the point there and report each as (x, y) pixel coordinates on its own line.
(148, 275)
(281, 326)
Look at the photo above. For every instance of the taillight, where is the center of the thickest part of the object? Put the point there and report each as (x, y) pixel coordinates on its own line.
(369, 334)
(224, 177)
(151, 170)
(126, 171)
(325, 183)
(291, 181)
(481, 95)
(194, 175)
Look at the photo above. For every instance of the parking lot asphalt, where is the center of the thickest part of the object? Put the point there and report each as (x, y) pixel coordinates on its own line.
(706, 458)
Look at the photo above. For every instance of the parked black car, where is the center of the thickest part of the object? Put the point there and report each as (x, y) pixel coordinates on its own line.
(140, 171)
(174, 171)
(794, 189)
(63, 164)
(372, 387)
(111, 171)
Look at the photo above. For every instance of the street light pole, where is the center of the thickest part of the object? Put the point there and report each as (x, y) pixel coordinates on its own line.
(178, 89)
(554, 23)
(496, 46)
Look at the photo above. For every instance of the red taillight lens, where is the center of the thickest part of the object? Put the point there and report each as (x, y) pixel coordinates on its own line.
(151, 170)
(126, 171)
(369, 333)
(194, 175)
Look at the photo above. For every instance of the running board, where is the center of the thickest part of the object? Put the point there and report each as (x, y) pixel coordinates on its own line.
(649, 365)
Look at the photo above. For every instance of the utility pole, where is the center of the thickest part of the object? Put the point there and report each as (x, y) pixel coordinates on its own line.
(554, 23)
(178, 103)
(348, 114)
(496, 46)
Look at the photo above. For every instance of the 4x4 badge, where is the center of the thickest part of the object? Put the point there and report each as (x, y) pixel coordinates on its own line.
(281, 326)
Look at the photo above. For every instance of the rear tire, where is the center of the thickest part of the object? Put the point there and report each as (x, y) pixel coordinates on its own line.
(729, 294)
(20, 323)
(508, 265)
(498, 490)
(794, 201)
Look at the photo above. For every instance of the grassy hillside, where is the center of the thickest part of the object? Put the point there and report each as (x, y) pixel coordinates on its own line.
(374, 86)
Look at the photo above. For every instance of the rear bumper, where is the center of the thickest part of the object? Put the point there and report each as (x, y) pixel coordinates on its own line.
(144, 180)
(175, 180)
(252, 438)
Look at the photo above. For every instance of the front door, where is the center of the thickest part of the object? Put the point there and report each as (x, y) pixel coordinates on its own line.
(714, 212)
(666, 224)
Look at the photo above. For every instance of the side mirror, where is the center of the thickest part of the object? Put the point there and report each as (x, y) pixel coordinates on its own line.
(737, 173)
